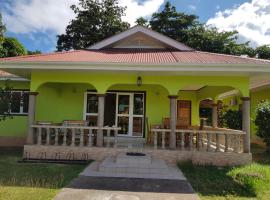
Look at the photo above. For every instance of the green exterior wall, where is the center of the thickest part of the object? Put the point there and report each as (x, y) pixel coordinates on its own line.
(17, 126)
(61, 94)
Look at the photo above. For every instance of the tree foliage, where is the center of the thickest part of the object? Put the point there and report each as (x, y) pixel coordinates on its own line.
(12, 47)
(173, 24)
(142, 22)
(263, 52)
(262, 121)
(95, 20)
(2, 31)
(232, 119)
(33, 52)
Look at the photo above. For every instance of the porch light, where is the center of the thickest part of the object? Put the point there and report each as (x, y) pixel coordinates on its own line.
(139, 81)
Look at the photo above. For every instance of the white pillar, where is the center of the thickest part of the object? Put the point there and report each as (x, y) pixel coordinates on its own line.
(101, 102)
(246, 123)
(173, 117)
(215, 115)
(31, 117)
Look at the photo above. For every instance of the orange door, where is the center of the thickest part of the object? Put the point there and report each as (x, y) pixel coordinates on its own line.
(183, 113)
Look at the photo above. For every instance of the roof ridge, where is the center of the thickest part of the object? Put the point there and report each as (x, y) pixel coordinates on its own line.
(235, 56)
(39, 55)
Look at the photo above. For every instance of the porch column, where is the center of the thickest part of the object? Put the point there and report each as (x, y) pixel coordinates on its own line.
(101, 102)
(31, 117)
(173, 101)
(214, 115)
(246, 122)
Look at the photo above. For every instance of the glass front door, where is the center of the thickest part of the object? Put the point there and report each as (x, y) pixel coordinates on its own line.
(130, 114)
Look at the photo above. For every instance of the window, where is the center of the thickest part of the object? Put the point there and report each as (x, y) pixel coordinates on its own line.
(19, 102)
(91, 112)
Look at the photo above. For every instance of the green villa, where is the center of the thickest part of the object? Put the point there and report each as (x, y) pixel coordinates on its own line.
(135, 90)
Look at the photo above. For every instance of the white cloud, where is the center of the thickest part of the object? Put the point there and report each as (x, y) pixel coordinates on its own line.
(250, 19)
(30, 16)
(135, 9)
(47, 16)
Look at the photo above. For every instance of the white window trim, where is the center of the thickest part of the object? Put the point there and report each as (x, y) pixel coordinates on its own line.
(21, 103)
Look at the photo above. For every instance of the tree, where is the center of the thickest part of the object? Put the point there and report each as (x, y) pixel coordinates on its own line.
(95, 20)
(187, 29)
(33, 52)
(5, 101)
(12, 47)
(172, 23)
(262, 122)
(142, 22)
(263, 52)
(2, 31)
(232, 119)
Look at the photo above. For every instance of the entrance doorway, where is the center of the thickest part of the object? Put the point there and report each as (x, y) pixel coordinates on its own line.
(183, 113)
(123, 109)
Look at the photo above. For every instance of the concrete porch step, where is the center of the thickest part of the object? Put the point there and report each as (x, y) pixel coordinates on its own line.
(93, 171)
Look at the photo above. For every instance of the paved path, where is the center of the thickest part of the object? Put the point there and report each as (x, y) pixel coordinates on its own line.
(104, 188)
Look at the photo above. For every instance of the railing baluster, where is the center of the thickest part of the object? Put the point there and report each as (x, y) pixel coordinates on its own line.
(155, 140)
(226, 143)
(56, 137)
(81, 137)
(115, 137)
(208, 141)
(108, 138)
(90, 143)
(65, 137)
(199, 140)
(217, 142)
(163, 139)
(39, 134)
(73, 137)
(237, 144)
(48, 135)
(190, 141)
(182, 140)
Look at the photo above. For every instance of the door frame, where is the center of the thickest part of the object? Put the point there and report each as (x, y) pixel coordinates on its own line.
(131, 93)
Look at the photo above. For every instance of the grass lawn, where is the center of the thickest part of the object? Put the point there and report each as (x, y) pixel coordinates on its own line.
(247, 182)
(32, 181)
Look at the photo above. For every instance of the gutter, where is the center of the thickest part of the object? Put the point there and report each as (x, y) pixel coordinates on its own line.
(174, 67)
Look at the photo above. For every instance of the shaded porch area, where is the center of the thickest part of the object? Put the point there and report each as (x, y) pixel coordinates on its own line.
(129, 117)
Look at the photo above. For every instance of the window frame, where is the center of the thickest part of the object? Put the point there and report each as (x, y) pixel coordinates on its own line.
(21, 113)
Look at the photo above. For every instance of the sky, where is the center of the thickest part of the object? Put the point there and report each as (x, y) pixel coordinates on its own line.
(36, 23)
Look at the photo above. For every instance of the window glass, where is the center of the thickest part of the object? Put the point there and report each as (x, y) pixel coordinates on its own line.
(15, 102)
(138, 104)
(123, 104)
(25, 101)
(92, 103)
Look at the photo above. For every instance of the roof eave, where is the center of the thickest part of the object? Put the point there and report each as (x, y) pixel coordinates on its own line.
(137, 66)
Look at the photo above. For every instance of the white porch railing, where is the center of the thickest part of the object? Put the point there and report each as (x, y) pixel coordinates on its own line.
(218, 140)
(72, 135)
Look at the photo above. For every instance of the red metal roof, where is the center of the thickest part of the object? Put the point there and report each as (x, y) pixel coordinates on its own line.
(147, 56)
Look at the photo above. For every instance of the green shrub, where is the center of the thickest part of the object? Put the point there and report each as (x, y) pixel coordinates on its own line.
(262, 121)
(232, 119)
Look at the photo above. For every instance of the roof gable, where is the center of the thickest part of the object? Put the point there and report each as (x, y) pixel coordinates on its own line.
(140, 37)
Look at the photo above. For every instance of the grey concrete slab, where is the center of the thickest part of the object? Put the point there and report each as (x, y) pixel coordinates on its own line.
(97, 188)
(172, 172)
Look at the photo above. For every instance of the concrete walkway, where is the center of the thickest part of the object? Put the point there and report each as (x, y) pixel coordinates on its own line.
(125, 177)
(98, 188)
